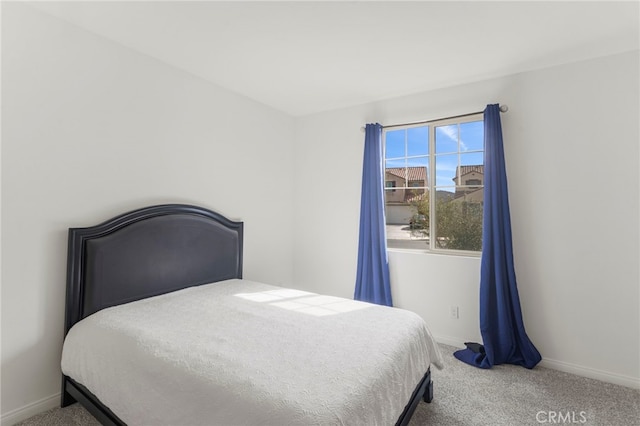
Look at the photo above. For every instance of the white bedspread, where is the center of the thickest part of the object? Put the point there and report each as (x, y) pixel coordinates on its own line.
(241, 352)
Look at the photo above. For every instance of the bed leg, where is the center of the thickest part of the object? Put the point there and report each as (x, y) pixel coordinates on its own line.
(428, 392)
(66, 399)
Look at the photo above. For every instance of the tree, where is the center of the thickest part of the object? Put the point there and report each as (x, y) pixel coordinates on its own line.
(458, 222)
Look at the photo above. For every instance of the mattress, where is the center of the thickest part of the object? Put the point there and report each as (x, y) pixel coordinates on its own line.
(248, 353)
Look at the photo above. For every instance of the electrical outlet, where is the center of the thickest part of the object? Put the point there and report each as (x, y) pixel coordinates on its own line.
(453, 311)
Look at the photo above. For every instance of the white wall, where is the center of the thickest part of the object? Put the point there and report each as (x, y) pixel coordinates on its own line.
(91, 129)
(571, 142)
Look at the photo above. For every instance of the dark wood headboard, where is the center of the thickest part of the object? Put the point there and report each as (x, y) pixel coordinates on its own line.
(148, 252)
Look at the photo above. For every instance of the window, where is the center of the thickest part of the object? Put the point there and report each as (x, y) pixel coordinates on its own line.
(437, 170)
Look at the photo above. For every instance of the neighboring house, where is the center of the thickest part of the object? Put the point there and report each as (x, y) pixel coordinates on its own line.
(473, 179)
(399, 198)
(402, 178)
(398, 201)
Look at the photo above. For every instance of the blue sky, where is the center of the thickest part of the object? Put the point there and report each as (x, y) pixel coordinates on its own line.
(454, 145)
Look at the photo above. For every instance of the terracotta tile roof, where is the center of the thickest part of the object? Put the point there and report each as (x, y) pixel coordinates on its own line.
(413, 173)
(463, 170)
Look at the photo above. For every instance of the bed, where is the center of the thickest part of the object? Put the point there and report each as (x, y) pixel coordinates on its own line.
(161, 328)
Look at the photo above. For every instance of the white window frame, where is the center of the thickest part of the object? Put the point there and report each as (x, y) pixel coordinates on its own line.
(431, 186)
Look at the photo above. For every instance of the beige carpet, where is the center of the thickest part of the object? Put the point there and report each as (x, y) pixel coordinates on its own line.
(511, 395)
(464, 395)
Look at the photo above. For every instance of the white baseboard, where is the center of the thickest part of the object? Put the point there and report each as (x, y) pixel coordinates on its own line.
(451, 341)
(592, 373)
(29, 410)
(578, 370)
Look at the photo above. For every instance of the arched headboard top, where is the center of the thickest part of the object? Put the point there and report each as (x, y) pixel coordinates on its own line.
(148, 252)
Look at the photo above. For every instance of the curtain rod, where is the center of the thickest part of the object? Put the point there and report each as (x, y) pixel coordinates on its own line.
(503, 108)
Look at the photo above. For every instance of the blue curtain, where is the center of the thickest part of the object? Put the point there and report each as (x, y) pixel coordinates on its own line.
(504, 338)
(372, 280)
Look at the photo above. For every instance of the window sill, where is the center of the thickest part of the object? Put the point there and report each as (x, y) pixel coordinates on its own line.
(457, 253)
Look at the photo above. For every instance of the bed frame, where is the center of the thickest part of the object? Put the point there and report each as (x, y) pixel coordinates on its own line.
(148, 252)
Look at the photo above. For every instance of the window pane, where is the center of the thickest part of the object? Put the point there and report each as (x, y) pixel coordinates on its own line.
(395, 179)
(394, 144)
(472, 159)
(418, 171)
(418, 141)
(447, 139)
(405, 237)
(394, 164)
(407, 225)
(446, 166)
(472, 136)
(459, 222)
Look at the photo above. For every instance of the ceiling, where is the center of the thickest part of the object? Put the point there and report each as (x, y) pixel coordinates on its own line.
(305, 57)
